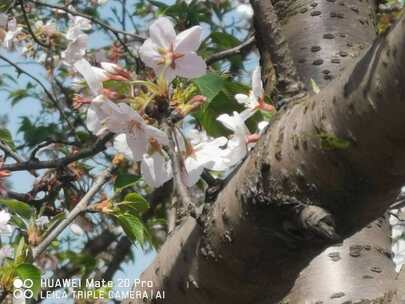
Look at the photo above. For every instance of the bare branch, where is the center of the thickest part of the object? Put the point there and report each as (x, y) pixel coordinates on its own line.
(7, 149)
(91, 18)
(244, 46)
(77, 210)
(27, 22)
(99, 146)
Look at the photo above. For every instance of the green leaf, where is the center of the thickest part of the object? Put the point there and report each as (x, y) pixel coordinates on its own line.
(35, 134)
(207, 115)
(132, 225)
(18, 207)
(124, 180)
(6, 137)
(210, 85)
(224, 40)
(136, 202)
(314, 86)
(121, 87)
(331, 142)
(30, 272)
(18, 221)
(21, 251)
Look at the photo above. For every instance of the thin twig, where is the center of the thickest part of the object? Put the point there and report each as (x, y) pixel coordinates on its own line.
(47, 92)
(249, 43)
(99, 146)
(91, 18)
(7, 149)
(27, 22)
(76, 211)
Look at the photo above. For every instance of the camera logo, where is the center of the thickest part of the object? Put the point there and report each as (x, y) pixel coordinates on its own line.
(22, 289)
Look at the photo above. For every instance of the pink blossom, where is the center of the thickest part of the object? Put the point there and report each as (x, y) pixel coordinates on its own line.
(173, 55)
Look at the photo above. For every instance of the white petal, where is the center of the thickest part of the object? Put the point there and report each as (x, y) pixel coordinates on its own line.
(95, 118)
(188, 40)
(150, 55)
(100, 74)
(234, 123)
(92, 79)
(121, 145)
(227, 121)
(138, 145)
(76, 229)
(246, 114)
(261, 126)
(155, 170)
(110, 67)
(242, 99)
(257, 84)
(75, 50)
(190, 66)
(83, 23)
(162, 32)
(170, 74)
(157, 134)
(4, 217)
(121, 118)
(236, 150)
(194, 169)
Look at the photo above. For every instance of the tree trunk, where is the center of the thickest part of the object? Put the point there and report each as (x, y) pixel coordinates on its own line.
(327, 167)
(360, 268)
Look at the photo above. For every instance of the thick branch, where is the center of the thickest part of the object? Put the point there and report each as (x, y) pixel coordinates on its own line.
(265, 227)
(275, 52)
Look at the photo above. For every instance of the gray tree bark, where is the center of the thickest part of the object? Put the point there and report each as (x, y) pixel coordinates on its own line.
(329, 165)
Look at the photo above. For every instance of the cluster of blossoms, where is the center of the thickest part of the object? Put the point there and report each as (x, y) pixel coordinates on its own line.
(137, 135)
(9, 30)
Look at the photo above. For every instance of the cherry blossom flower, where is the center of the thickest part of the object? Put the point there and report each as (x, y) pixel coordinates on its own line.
(48, 28)
(97, 114)
(77, 46)
(78, 24)
(173, 55)
(116, 72)
(4, 219)
(13, 30)
(135, 133)
(255, 100)
(206, 154)
(237, 147)
(94, 76)
(76, 49)
(99, 108)
(155, 168)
